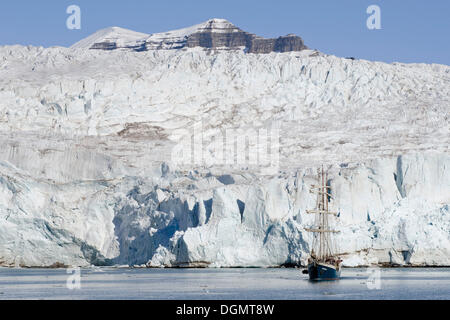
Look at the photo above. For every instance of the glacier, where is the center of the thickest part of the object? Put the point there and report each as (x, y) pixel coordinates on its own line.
(87, 174)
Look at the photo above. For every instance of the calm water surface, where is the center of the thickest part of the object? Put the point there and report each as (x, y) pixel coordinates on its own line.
(114, 283)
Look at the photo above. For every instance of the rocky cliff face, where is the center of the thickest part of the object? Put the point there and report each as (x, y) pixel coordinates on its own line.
(282, 44)
(214, 34)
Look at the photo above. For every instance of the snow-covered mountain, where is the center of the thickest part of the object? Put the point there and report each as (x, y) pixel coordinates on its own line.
(178, 39)
(113, 38)
(214, 34)
(88, 172)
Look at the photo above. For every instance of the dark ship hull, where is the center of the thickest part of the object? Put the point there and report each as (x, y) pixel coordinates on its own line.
(322, 271)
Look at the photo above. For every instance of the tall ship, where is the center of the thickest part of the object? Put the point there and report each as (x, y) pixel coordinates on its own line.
(323, 263)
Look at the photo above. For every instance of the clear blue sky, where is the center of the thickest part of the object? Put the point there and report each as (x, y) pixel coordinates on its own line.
(412, 30)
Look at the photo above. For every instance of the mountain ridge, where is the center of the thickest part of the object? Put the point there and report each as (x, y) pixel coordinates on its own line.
(213, 34)
(109, 37)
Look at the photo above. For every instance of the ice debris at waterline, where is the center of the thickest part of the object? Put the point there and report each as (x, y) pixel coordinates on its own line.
(87, 177)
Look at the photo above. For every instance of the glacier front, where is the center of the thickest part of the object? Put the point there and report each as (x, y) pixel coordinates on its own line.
(88, 175)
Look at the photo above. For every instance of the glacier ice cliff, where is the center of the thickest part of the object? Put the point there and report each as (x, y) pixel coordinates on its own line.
(87, 173)
(391, 211)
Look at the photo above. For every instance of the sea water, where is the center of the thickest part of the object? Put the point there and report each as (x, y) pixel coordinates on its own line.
(277, 283)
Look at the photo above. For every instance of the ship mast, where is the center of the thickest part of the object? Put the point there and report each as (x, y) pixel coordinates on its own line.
(321, 230)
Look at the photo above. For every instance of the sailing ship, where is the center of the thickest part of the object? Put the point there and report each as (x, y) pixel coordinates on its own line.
(323, 263)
